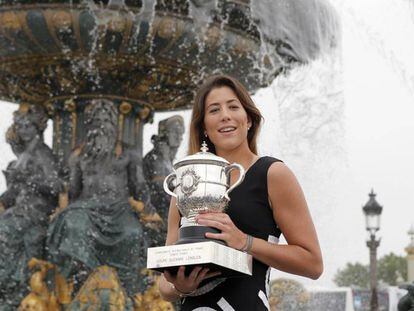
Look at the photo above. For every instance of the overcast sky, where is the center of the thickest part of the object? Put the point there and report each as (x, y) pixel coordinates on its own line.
(377, 141)
(379, 109)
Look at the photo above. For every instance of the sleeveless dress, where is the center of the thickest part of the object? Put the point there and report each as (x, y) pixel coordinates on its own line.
(250, 211)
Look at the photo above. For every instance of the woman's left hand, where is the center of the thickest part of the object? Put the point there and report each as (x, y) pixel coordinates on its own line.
(230, 234)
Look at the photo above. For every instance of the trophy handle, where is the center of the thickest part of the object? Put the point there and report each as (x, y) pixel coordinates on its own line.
(166, 181)
(227, 171)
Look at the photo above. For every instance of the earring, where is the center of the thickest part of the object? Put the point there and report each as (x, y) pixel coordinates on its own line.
(248, 128)
(205, 134)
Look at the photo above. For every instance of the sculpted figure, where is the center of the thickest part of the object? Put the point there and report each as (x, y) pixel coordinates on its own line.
(99, 227)
(32, 194)
(406, 303)
(158, 164)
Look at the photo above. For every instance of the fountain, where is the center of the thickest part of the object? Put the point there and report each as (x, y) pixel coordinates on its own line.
(138, 57)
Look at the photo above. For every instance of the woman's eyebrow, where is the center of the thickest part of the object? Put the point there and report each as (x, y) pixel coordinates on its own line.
(212, 104)
(218, 104)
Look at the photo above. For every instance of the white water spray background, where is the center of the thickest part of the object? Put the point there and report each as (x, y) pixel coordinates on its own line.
(367, 142)
(343, 123)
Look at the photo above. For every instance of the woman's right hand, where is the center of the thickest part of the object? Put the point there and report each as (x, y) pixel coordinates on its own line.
(188, 284)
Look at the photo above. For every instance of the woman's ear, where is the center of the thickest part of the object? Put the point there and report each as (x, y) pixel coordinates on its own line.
(249, 122)
(203, 130)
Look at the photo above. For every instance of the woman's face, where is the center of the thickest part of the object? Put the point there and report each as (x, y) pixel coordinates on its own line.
(225, 119)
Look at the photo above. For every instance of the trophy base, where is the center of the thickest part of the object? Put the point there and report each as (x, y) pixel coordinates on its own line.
(196, 234)
(217, 257)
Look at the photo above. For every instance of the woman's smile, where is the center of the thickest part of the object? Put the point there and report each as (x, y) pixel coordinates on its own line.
(227, 130)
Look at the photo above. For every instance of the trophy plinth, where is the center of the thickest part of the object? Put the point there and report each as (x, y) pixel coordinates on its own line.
(217, 257)
(202, 184)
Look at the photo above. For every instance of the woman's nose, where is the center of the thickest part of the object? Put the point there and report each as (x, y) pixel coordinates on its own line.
(225, 114)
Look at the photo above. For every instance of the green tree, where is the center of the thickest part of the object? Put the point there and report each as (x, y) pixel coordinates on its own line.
(392, 269)
(354, 275)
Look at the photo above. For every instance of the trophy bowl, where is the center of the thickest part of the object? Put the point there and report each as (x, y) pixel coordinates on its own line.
(202, 184)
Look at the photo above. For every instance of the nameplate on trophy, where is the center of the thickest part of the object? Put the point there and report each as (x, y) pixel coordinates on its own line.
(215, 256)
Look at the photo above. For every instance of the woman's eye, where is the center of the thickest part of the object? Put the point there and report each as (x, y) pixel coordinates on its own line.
(234, 107)
(213, 110)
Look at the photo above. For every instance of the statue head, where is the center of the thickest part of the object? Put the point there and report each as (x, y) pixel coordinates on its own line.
(30, 121)
(101, 113)
(101, 119)
(171, 130)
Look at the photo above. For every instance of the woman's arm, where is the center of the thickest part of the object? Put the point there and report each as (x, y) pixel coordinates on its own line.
(302, 255)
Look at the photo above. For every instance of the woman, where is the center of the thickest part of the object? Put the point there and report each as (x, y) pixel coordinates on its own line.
(267, 203)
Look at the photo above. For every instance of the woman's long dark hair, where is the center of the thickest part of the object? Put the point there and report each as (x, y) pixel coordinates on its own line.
(197, 118)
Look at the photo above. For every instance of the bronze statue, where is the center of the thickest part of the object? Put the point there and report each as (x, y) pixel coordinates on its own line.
(32, 194)
(406, 303)
(99, 227)
(158, 164)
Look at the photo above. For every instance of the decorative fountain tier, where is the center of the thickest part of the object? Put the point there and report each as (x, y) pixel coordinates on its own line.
(149, 50)
(147, 55)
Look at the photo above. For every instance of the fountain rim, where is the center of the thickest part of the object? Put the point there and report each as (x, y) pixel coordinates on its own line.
(99, 96)
(41, 6)
(50, 102)
(126, 8)
(45, 6)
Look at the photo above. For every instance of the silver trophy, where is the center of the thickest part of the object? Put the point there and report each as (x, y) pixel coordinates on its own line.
(201, 184)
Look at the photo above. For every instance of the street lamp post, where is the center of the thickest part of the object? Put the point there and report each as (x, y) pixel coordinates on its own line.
(372, 211)
(410, 256)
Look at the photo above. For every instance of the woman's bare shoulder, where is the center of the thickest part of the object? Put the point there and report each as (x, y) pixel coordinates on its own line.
(279, 171)
(281, 179)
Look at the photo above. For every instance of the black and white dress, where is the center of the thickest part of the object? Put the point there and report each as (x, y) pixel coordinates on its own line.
(250, 211)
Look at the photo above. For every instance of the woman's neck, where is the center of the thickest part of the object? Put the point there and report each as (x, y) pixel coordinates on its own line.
(243, 156)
